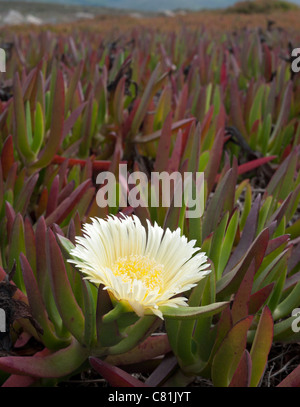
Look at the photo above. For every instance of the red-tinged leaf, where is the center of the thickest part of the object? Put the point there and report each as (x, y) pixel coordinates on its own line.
(29, 83)
(73, 85)
(214, 163)
(232, 280)
(66, 207)
(276, 182)
(152, 347)
(215, 207)
(280, 212)
(88, 170)
(98, 165)
(57, 230)
(229, 200)
(181, 107)
(252, 165)
(291, 282)
(174, 161)
(261, 346)
(30, 243)
(223, 75)
(57, 125)
(115, 376)
(49, 366)
(268, 62)
(11, 177)
(258, 299)
(241, 299)
(223, 328)
(182, 124)
(71, 233)
(228, 356)
(206, 123)
(294, 259)
(118, 102)
(53, 196)
(145, 100)
(164, 145)
(66, 303)
(292, 380)
(276, 243)
(17, 246)
(42, 203)
(255, 126)
(236, 110)
(242, 375)
(194, 157)
(247, 236)
(10, 217)
(285, 109)
(41, 262)
(7, 156)
(109, 334)
(25, 194)
(19, 381)
(66, 191)
(20, 55)
(87, 130)
(20, 135)
(174, 217)
(286, 152)
(49, 338)
(71, 120)
(166, 367)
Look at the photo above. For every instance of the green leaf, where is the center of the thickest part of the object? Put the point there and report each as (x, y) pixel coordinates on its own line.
(228, 356)
(49, 337)
(255, 112)
(57, 109)
(261, 346)
(143, 106)
(38, 129)
(192, 312)
(66, 244)
(69, 310)
(46, 366)
(242, 375)
(230, 282)
(217, 240)
(28, 122)
(227, 244)
(16, 247)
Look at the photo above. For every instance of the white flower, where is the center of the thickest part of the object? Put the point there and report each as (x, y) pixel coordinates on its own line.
(144, 268)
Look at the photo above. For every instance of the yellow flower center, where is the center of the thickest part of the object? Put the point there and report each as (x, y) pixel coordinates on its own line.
(136, 267)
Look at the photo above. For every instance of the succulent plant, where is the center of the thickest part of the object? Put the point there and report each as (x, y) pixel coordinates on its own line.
(158, 102)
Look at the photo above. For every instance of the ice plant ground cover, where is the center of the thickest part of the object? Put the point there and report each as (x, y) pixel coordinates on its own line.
(219, 99)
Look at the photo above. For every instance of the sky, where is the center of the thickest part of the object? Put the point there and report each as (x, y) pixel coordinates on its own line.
(151, 5)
